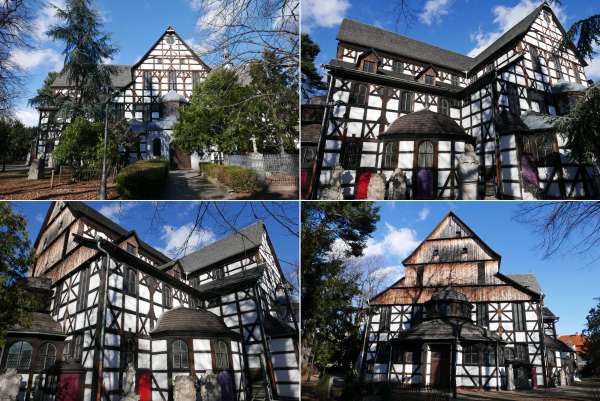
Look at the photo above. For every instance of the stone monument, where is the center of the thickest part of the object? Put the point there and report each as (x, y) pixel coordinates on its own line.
(129, 384)
(468, 173)
(10, 382)
(397, 185)
(184, 388)
(334, 191)
(210, 389)
(376, 189)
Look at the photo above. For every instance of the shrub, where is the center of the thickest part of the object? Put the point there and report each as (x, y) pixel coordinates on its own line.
(143, 179)
(237, 178)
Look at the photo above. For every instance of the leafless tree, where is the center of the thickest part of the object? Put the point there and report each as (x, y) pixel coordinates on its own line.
(564, 227)
(15, 20)
(243, 29)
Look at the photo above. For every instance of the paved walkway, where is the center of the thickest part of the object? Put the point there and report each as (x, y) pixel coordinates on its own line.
(189, 184)
(582, 391)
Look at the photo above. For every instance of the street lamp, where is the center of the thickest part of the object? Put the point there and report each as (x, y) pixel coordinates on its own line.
(103, 177)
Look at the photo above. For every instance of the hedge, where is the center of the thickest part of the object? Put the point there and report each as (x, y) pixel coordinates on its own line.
(144, 179)
(237, 178)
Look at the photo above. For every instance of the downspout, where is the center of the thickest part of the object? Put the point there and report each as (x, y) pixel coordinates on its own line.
(103, 320)
(316, 178)
(542, 345)
(497, 368)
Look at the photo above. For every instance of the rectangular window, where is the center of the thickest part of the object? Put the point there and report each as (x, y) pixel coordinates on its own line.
(167, 296)
(444, 107)
(78, 347)
(148, 80)
(420, 271)
(541, 148)
(132, 249)
(383, 352)
(558, 67)
(397, 66)
(195, 78)
(406, 102)
(489, 355)
(454, 79)
(521, 352)
(130, 281)
(576, 73)
(384, 318)
(172, 81)
(369, 66)
(390, 155)
(481, 273)
(83, 289)
(417, 315)
(482, 315)
(66, 355)
(513, 98)
(359, 95)
(535, 59)
(351, 153)
(57, 299)
(218, 273)
(518, 316)
(471, 354)
(429, 79)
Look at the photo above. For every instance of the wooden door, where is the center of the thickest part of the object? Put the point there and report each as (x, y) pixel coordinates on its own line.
(69, 387)
(362, 184)
(424, 179)
(440, 366)
(144, 386)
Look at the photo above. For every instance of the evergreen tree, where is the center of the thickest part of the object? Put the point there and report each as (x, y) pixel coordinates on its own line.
(312, 82)
(16, 258)
(45, 95)
(592, 348)
(86, 46)
(15, 141)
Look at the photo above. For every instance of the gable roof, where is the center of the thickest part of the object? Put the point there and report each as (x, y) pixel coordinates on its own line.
(243, 240)
(120, 78)
(527, 281)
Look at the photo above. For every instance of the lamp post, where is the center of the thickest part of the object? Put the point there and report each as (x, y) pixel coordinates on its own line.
(104, 147)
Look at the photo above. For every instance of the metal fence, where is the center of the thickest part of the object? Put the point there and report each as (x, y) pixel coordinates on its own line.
(279, 169)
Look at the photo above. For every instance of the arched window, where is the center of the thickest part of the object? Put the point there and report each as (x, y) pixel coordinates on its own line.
(19, 356)
(46, 356)
(221, 355)
(180, 355)
(444, 107)
(359, 95)
(172, 81)
(390, 155)
(156, 147)
(351, 155)
(167, 296)
(425, 154)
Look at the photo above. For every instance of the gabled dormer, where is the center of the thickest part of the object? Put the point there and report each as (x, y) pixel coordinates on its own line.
(428, 75)
(369, 61)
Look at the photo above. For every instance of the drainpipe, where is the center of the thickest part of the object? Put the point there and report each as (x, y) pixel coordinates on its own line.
(103, 320)
(542, 345)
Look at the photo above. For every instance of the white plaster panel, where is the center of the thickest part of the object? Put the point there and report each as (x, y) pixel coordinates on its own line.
(356, 113)
(354, 128)
(284, 360)
(443, 160)
(406, 146)
(369, 146)
(333, 145)
(202, 361)
(143, 360)
(330, 159)
(159, 346)
(444, 146)
(405, 161)
(162, 379)
(143, 291)
(368, 160)
(144, 307)
(159, 362)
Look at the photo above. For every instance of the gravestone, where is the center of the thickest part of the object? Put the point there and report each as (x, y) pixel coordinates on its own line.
(184, 388)
(334, 191)
(129, 384)
(376, 189)
(397, 185)
(10, 382)
(468, 173)
(210, 389)
(510, 377)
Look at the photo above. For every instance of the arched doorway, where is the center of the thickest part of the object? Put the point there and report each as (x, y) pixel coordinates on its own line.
(424, 184)
(156, 147)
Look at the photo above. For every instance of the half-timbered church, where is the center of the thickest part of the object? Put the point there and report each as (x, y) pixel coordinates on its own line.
(396, 103)
(113, 302)
(147, 94)
(455, 320)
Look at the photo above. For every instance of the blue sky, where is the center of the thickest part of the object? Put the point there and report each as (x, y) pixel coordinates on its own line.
(463, 26)
(134, 25)
(166, 225)
(570, 283)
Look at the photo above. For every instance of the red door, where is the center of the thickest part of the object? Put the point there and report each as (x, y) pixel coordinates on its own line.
(144, 386)
(362, 184)
(69, 386)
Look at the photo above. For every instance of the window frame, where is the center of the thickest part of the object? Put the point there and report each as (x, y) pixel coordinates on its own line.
(416, 314)
(482, 314)
(397, 66)
(372, 66)
(167, 295)
(196, 79)
(425, 158)
(77, 351)
(351, 161)
(535, 59)
(471, 354)
(130, 287)
(406, 102)
(357, 98)
(390, 160)
(82, 294)
(22, 352)
(127, 351)
(147, 80)
(444, 106)
(519, 317)
(219, 356)
(385, 318)
(172, 80)
(181, 353)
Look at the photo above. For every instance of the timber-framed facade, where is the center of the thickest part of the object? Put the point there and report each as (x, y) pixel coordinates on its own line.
(455, 320)
(115, 301)
(502, 101)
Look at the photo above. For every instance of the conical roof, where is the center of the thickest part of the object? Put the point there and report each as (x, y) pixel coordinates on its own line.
(424, 122)
(183, 321)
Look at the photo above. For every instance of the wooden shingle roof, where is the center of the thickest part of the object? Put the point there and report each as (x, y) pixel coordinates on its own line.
(423, 122)
(183, 321)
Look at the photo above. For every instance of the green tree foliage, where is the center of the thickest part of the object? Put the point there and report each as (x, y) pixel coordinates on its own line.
(45, 96)
(328, 287)
(86, 46)
(15, 141)
(80, 143)
(592, 350)
(311, 78)
(16, 257)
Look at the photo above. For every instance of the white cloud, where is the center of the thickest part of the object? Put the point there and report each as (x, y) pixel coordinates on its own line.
(385, 273)
(434, 10)
(27, 59)
(116, 210)
(175, 239)
(319, 13)
(45, 19)
(423, 214)
(505, 18)
(593, 68)
(397, 241)
(28, 116)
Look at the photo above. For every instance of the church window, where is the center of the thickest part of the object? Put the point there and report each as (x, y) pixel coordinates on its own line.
(167, 296)
(513, 98)
(521, 352)
(46, 356)
(369, 66)
(535, 59)
(148, 80)
(429, 79)
(417, 315)
(179, 352)
(557, 67)
(195, 78)
(78, 347)
(489, 355)
(83, 290)
(471, 354)
(359, 95)
(390, 155)
(546, 16)
(406, 102)
(518, 312)
(57, 299)
(397, 66)
(481, 313)
(19, 356)
(444, 107)
(351, 155)
(66, 354)
(481, 273)
(131, 249)
(454, 79)
(156, 147)
(119, 111)
(540, 147)
(425, 159)
(172, 80)
(221, 352)
(384, 318)
(218, 273)
(576, 73)
(130, 281)
(420, 270)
